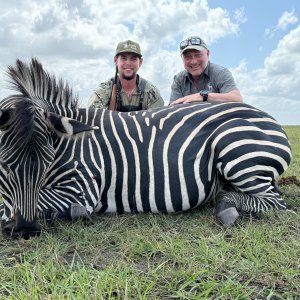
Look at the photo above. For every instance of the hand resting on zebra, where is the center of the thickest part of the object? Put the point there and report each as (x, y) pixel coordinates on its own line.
(61, 161)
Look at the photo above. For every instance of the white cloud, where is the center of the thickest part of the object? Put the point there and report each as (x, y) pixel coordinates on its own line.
(275, 87)
(287, 18)
(240, 15)
(76, 40)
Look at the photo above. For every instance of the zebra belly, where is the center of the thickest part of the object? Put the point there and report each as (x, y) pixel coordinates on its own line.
(155, 194)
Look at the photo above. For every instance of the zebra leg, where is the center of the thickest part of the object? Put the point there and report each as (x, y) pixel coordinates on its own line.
(73, 212)
(229, 203)
(64, 203)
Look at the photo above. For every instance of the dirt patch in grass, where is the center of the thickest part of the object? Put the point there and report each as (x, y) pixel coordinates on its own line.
(289, 181)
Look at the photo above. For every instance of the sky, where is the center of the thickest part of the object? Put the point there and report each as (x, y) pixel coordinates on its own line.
(257, 40)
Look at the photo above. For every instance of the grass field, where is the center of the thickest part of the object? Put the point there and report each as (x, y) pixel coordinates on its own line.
(180, 256)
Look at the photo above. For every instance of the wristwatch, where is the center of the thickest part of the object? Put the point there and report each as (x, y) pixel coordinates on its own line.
(204, 94)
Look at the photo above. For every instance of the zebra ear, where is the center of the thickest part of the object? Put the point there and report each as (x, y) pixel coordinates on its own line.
(64, 126)
(5, 117)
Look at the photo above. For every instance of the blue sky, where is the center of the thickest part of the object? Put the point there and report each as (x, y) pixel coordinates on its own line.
(252, 41)
(259, 41)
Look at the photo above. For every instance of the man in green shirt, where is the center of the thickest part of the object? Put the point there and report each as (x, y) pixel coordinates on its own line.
(133, 92)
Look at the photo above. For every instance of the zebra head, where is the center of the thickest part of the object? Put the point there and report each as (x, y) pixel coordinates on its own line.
(28, 133)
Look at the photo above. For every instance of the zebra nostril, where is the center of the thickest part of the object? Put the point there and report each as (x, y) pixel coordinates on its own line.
(26, 230)
(25, 233)
(28, 235)
(20, 229)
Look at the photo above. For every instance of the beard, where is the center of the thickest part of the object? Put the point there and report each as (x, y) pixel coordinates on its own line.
(128, 77)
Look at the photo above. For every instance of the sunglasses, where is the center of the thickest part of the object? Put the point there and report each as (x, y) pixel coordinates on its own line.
(191, 41)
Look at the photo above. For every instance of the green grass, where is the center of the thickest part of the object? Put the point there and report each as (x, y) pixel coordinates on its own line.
(143, 256)
(294, 137)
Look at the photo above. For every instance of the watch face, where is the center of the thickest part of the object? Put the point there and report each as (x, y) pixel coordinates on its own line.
(204, 95)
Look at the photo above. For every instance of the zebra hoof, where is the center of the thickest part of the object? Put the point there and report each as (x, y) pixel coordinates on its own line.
(226, 212)
(78, 211)
(228, 216)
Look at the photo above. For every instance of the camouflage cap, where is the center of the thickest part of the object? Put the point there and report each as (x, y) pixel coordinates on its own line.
(128, 46)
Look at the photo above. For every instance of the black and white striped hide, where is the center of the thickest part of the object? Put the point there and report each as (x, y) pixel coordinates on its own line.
(169, 159)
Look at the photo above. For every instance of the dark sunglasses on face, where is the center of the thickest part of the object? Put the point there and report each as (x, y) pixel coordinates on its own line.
(190, 41)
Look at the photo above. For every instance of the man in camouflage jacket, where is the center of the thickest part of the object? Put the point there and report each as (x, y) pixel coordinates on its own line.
(133, 92)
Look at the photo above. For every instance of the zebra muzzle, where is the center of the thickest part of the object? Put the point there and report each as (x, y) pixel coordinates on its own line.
(20, 228)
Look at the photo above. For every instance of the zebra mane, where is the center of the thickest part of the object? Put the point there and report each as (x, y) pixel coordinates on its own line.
(37, 85)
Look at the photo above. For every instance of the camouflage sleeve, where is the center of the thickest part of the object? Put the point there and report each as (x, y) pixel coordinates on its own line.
(100, 97)
(153, 97)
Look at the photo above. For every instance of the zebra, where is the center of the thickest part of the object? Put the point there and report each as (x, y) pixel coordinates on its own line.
(58, 160)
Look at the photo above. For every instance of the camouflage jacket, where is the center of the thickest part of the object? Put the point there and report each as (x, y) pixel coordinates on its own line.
(152, 98)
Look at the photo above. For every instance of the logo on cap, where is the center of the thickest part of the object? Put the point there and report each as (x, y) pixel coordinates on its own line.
(128, 46)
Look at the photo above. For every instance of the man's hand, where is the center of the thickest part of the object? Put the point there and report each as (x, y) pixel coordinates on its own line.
(232, 96)
(187, 99)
